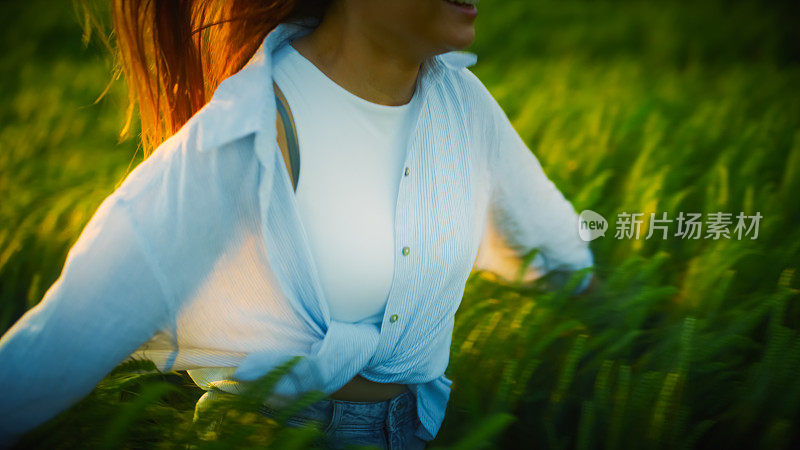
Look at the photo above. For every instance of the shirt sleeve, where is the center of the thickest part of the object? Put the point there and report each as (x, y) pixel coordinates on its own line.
(107, 301)
(527, 211)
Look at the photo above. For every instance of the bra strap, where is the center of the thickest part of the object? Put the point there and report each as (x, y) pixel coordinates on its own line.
(291, 135)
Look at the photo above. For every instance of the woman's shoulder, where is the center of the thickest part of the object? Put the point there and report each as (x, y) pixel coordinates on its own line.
(180, 196)
(458, 72)
(478, 108)
(466, 85)
(180, 165)
(188, 204)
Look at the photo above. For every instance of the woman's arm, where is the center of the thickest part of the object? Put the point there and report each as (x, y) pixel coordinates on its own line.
(526, 212)
(108, 300)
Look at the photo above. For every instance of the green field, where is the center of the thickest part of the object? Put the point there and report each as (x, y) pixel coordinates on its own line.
(671, 106)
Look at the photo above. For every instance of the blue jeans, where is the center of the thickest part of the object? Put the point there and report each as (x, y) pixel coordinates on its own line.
(388, 424)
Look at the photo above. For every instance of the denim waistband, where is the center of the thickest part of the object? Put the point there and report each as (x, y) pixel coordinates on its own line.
(351, 413)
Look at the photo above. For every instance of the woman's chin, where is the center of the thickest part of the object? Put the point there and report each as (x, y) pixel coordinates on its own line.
(461, 41)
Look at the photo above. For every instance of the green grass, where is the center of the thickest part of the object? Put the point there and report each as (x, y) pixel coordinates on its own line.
(630, 106)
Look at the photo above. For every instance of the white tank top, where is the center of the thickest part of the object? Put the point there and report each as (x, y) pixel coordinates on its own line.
(351, 159)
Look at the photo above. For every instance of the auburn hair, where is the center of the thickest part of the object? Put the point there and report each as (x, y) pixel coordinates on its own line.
(174, 53)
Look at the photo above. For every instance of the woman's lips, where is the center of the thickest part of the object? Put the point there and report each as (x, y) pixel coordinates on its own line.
(466, 9)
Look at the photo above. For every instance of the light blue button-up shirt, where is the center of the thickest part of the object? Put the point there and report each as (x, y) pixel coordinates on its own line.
(199, 260)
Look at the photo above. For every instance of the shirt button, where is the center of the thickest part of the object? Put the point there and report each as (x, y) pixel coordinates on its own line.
(393, 318)
(406, 250)
(408, 171)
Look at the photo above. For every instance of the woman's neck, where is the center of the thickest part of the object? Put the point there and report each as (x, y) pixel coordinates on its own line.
(361, 59)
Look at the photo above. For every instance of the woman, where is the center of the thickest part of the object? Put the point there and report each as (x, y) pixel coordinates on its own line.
(217, 256)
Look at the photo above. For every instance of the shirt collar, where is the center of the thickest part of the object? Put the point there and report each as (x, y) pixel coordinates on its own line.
(243, 103)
